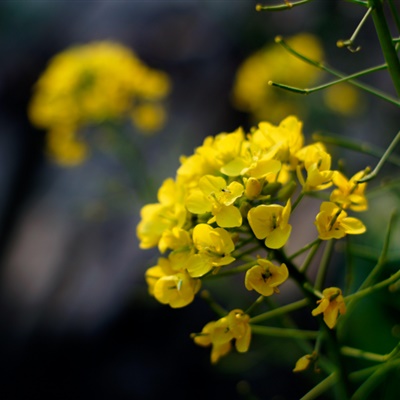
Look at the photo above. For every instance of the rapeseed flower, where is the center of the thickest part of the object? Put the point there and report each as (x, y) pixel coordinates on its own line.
(214, 246)
(170, 284)
(251, 92)
(265, 277)
(331, 305)
(220, 334)
(349, 193)
(271, 222)
(333, 223)
(88, 84)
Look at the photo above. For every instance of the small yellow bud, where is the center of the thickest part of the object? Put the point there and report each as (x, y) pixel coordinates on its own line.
(304, 362)
(253, 188)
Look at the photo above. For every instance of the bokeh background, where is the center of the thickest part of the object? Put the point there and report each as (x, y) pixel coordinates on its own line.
(76, 321)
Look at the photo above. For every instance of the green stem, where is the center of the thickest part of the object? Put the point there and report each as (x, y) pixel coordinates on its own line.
(283, 332)
(330, 335)
(232, 271)
(349, 42)
(323, 268)
(279, 311)
(395, 15)
(385, 39)
(365, 355)
(332, 71)
(322, 387)
(371, 289)
(316, 243)
(219, 310)
(332, 83)
(310, 256)
(364, 148)
(364, 391)
(385, 156)
(297, 201)
(259, 300)
(281, 7)
(382, 260)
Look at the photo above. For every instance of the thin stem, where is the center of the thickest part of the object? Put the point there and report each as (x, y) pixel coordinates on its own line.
(382, 260)
(323, 268)
(395, 15)
(385, 156)
(219, 310)
(281, 7)
(246, 252)
(316, 243)
(232, 271)
(283, 332)
(297, 201)
(322, 387)
(385, 39)
(363, 147)
(371, 289)
(310, 256)
(332, 83)
(349, 42)
(330, 335)
(280, 311)
(375, 379)
(365, 355)
(334, 72)
(259, 300)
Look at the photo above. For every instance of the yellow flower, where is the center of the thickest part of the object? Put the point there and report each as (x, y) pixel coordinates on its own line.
(215, 196)
(331, 305)
(349, 193)
(333, 223)
(214, 247)
(265, 277)
(251, 92)
(149, 117)
(270, 222)
(88, 84)
(284, 140)
(168, 286)
(317, 163)
(220, 334)
(157, 218)
(64, 146)
(343, 99)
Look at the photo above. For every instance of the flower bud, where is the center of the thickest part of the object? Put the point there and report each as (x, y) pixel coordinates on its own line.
(253, 188)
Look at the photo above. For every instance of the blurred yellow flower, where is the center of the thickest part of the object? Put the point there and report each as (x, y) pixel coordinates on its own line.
(219, 334)
(342, 98)
(91, 83)
(251, 92)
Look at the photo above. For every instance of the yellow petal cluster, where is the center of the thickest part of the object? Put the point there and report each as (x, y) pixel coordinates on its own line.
(251, 92)
(232, 198)
(331, 305)
(91, 83)
(220, 334)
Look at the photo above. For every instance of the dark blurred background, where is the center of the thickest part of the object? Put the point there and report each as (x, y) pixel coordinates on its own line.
(76, 321)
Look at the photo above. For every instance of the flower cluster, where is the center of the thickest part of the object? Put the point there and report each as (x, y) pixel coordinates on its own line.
(91, 83)
(235, 190)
